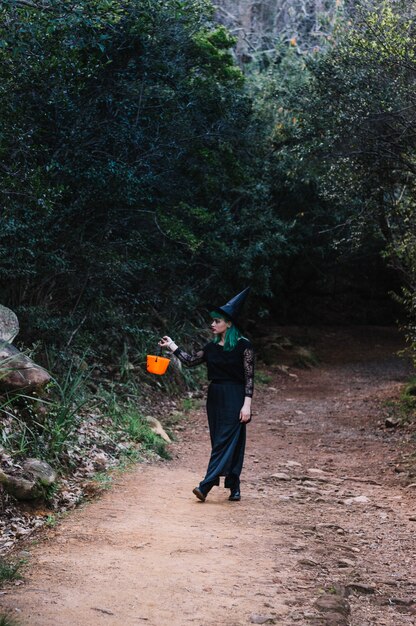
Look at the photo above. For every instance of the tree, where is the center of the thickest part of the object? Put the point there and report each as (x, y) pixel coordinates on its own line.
(347, 128)
(128, 166)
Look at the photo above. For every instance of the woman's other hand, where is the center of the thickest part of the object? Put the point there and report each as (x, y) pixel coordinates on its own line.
(245, 413)
(167, 342)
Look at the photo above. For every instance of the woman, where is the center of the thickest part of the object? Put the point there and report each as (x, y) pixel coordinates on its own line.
(230, 364)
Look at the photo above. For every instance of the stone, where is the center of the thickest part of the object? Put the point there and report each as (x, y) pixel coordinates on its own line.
(360, 588)
(9, 324)
(401, 601)
(333, 604)
(412, 518)
(345, 563)
(335, 619)
(316, 472)
(18, 372)
(391, 423)
(157, 428)
(255, 618)
(356, 500)
(280, 476)
(100, 462)
(41, 470)
(308, 562)
(20, 488)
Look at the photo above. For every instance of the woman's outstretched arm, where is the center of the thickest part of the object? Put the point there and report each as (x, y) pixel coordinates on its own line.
(189, 360)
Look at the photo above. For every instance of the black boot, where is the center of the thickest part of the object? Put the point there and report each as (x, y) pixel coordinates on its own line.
(199, 494)
(235, 495)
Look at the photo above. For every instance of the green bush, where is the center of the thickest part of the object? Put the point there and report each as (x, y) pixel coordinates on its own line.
(10, 570)
(131, 171)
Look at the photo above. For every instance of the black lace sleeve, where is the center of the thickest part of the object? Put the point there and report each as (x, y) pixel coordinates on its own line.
(249, 371)
(190, 360)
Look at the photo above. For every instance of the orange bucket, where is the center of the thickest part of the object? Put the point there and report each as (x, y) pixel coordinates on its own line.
(157, 364)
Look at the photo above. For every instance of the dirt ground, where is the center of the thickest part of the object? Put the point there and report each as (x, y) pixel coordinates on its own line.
(325, 513)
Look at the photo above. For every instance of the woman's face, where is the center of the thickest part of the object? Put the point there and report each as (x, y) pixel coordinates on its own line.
(219, 326)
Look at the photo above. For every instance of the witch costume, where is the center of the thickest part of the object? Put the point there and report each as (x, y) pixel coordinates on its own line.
(231, 376)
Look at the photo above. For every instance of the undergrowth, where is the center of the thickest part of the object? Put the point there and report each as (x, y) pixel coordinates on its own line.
(90, 408)
(8, 620)
(127, 422)
(9, 570)
(403, 410)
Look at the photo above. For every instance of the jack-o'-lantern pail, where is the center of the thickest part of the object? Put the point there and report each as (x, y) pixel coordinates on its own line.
(157, 364)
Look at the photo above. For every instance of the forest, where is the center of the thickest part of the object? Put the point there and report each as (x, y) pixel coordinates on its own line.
(153, 160)
(161, 155)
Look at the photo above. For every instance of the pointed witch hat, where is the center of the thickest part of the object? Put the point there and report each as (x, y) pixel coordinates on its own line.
(232, 308)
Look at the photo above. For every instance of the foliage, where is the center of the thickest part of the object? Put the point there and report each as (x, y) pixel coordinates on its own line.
(343, 154)
(10, 570)
(63, 428)
(128, 423)
(128, 168)
(46, 428)
(7, 620)
(367, 87)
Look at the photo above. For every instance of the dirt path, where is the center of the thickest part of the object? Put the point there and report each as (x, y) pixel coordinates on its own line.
(148, 552)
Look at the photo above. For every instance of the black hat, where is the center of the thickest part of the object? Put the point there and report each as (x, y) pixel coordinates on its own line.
(233, 307)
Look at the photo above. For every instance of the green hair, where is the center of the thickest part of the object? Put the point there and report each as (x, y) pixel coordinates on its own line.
(232, 334)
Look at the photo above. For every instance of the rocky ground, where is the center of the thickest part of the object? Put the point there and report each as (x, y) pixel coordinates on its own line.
(324, 533)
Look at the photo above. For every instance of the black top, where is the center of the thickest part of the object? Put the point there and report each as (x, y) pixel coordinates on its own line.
(235, 365)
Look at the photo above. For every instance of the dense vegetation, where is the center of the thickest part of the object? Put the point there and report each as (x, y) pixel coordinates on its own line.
(144, 174)
(345, 131)
(130, 169)
(146, 170)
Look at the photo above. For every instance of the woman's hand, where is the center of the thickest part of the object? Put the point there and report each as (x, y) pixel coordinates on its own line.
(167, 342)
(245, 413)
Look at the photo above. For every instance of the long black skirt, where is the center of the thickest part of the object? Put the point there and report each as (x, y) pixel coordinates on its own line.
(228, 435)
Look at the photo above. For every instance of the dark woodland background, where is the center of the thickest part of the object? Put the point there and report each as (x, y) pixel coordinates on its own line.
(159, 155)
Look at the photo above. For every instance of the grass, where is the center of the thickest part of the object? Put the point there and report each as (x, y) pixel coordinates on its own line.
(42, 427)
(261, 378)
(9, 570)
(403, 410)
(127, 423)
(8, 620)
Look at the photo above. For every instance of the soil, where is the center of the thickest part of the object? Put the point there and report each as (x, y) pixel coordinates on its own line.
(148, 552)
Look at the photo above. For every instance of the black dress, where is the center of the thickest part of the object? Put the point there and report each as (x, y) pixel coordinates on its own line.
(231, 376)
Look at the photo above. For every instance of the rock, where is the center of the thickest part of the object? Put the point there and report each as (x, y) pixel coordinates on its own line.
(18, 372)
(20, 488)
(9, 324)
(157, 428)
(100, 462)
(280, 476)
(333, 604)
(290, 464)
(412, 518)
(296, 616)
(360, 588)
(316, 472)
(308, 562)
(335, 619)
(401, 601)
(345, 563)
(391, 423)
(41, 471)
(411, 486)
(328, 526)
(357, 500)
(255, 618)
